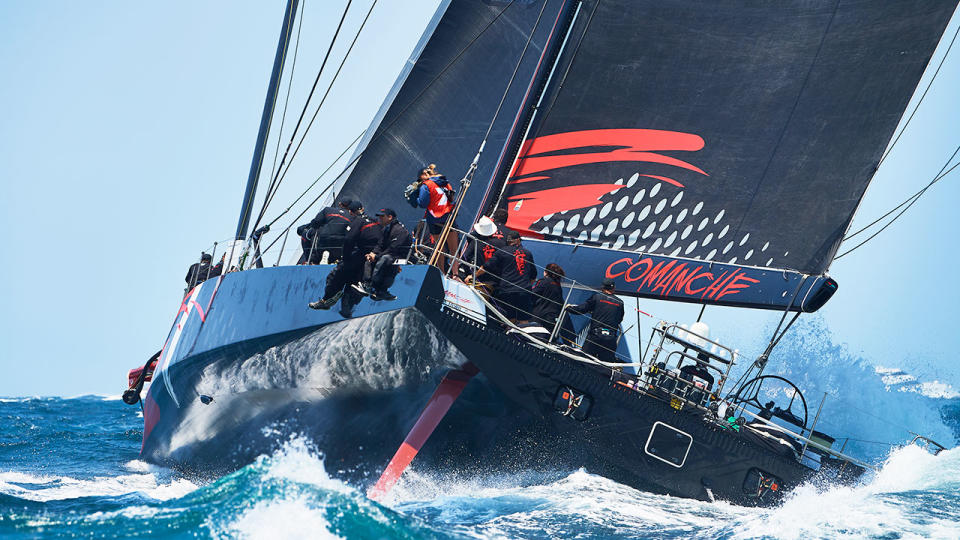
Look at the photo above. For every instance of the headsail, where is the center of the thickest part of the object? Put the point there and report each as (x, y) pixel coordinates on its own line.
(738, 132)
(442, 107)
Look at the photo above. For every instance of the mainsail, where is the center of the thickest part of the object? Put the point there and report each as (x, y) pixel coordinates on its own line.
(739, 132)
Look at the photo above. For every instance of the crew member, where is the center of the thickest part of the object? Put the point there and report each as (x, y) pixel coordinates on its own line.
(363, 236)
(325, 232)
(514, 269)
(548, 300)
(202, 271)
(379, 269)
(606, 314)
(436, 195)
(484, 242)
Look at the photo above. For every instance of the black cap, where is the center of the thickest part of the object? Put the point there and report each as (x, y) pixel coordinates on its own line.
(512, 235)
(356, 206)
(206, 257)
(387, 212)
(345, 201)
(609, 284)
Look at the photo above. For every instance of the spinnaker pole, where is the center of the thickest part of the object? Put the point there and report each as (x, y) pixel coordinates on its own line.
(266, 118)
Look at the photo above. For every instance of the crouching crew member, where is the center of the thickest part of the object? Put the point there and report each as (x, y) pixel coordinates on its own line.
(515, 271)
(379, 269)
(202, 271)
(325, 232)
(606, 314)
(362, 238)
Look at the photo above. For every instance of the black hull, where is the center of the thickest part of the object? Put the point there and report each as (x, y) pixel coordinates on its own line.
(612, 439)
(354, 388)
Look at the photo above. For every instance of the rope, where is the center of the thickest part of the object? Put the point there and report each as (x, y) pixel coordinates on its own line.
(399, 115)
(915, 198)
(468, 177)
(306, 105)
(286, 102)
(927, 89)
(269, 198)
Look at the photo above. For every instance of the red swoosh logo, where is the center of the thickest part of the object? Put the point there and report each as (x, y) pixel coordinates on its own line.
(539, 156)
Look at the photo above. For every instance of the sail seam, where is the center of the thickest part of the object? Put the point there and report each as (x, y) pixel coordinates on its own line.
(790, 117)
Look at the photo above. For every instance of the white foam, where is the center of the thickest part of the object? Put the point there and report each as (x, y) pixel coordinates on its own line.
(286, 518)
(156, 485)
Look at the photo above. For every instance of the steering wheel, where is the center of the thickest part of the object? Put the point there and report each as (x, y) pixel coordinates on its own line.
(787, 414)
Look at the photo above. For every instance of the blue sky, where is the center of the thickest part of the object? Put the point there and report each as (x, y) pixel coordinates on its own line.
(126, 139)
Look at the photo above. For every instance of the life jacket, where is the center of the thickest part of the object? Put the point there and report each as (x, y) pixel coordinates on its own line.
(441, 199)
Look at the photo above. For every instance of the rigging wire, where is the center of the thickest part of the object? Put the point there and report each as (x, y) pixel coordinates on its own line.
(915, 197)
(269, 197)
(927, 89)
(905, 201)
(286, 101)
(310, 95)
(396, 118)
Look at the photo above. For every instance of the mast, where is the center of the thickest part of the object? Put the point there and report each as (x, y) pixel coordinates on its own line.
(265, 119)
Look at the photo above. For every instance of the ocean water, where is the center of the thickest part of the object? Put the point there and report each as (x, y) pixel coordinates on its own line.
(69, 468)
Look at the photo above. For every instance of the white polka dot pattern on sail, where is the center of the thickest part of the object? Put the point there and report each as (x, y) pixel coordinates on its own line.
(676, 252)
(691, 247)
(703, 224)
(726, 249)
(639, 196)
(676, 200)
(670, 239)
(681, 215)
(650, 228)
(606, 210)
(623, 202)
(710, 255)
(745, 238)
(732, 261)
(723, 231)
(665, 224)
(628, 219)
(656, 244)
(633, 180)
(707, 239)
(619, 243)
(589, 217)
(595, 234)
(548, 217)
(697, 208)
(574, 221)
(719, 217)
(558, 228)
(654, 190)
(765, 246)
(612, 226)
(644, 213)
(748, 255)
(634, 236)
(686, 232)
(660, 206)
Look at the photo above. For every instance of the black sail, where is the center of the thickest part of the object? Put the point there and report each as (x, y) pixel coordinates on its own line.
(441, 108)
(742, 132)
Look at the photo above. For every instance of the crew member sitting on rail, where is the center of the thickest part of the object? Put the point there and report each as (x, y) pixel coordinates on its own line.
(325, 232)
(202, 271)
(514, 269)
(437, 196)
(606, 314)
(379, 269)
(363, 236)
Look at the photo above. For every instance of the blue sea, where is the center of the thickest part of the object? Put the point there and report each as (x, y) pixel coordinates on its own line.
(70, 468)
